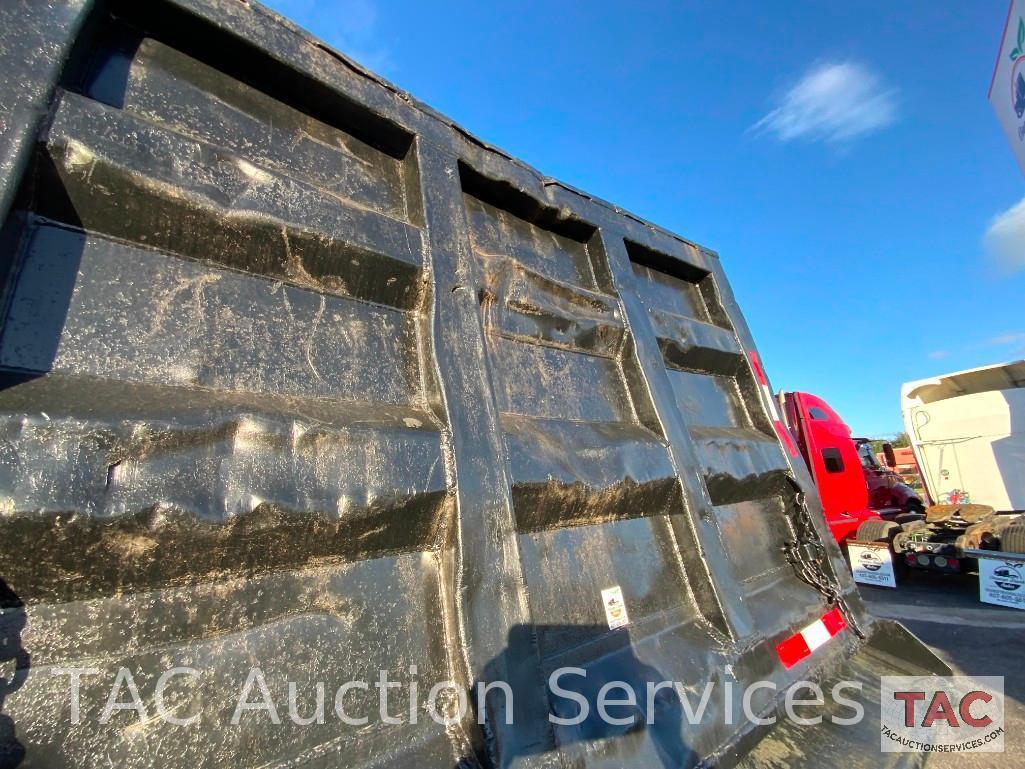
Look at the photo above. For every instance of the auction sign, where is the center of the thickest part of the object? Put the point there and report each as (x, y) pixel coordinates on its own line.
(1007, 88)
(1002, 580)
(871, 564)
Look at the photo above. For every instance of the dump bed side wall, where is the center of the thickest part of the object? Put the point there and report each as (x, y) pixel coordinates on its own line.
(297, 373)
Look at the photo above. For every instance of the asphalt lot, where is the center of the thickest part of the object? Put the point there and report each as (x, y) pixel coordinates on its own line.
(974, 639)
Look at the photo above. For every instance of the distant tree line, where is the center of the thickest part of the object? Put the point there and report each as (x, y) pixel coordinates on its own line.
(901, 440)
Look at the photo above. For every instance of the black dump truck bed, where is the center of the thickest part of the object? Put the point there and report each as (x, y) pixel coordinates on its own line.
(298, 376)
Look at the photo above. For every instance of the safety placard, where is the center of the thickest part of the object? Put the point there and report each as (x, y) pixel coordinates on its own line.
(615, 607)
(1002, 582)
(871, 564)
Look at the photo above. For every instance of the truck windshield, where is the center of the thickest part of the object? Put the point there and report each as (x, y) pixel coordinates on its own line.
(868, 457)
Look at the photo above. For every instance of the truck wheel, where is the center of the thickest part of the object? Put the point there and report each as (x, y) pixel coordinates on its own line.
(1012, 539)
(877, 531)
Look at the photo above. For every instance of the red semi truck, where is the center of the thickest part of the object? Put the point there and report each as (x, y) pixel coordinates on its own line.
(869, 504)
(865, 504)
(855, 489)
(888, 493)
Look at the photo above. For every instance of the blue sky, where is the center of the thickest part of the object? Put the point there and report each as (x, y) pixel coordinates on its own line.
(841, 157)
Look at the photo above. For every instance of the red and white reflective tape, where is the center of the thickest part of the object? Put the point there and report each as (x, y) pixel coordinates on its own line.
(801, 645)
(763, 382)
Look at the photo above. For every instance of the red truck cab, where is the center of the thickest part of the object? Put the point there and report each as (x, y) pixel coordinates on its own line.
(887, 493)
(825, 442)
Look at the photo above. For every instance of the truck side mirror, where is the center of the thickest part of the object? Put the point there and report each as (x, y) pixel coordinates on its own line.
(891, 457)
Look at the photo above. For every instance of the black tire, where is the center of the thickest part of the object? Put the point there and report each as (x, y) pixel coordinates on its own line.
(1012, 539)
(877, 531)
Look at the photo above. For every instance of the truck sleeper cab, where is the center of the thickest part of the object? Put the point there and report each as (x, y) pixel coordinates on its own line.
(825, 443)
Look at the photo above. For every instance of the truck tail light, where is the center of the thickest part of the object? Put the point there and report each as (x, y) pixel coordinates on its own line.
(801, 645)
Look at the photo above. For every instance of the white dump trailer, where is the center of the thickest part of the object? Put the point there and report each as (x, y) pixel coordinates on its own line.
(967, 430)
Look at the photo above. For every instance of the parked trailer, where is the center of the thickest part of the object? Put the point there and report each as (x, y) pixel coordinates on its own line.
(301, 377)
(967, 430)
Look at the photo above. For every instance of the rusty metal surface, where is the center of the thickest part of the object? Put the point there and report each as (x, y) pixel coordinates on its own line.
(297, 373)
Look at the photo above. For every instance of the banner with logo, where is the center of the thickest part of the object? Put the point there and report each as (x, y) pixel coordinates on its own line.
(942, 714)
(1007, 88)
(1002, 581)
(871, 564)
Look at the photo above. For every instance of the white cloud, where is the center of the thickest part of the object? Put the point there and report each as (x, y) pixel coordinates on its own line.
(1015, 339)
(1005, 238)
(1004, 339)
(833, 103)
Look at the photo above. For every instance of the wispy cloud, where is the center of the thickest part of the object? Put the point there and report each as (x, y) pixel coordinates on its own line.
(1005, 237)
(834, 103)
(1015, 340)
(1005, 339)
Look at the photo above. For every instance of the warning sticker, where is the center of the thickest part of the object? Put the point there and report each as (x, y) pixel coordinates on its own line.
(871, 564)
(615, 607)
(1002, 582)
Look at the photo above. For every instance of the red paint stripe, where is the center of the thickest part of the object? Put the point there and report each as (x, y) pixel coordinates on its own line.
(785, 437)
(756, 364)
(1000, 49)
